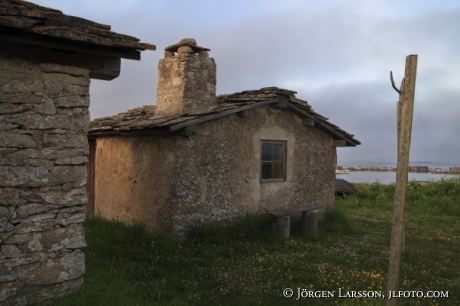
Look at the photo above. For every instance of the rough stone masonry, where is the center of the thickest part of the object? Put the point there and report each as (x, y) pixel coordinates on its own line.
(187, 81)
(43, 153)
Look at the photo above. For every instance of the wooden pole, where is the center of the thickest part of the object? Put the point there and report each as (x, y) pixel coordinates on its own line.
(406, 99)
(399, 115)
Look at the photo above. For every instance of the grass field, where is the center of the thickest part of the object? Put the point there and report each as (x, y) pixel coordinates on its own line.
(246, 263)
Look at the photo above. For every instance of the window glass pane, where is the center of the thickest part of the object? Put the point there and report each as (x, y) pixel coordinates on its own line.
(266, 170)
(266, 151)
(273, 161)
(278, 152)
(278, 170)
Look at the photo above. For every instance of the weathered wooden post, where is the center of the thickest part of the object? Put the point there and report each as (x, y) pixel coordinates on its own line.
(283, 226)
(405, 114)
(310, 222)
(399, 112)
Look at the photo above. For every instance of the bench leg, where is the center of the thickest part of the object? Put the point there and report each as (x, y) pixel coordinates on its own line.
(283, 226)
(310, 222)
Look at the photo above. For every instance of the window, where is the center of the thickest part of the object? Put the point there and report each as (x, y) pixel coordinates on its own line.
(272, 161)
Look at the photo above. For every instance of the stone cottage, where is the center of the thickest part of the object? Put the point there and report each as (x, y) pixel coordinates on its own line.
(196, 157)
(46, 62)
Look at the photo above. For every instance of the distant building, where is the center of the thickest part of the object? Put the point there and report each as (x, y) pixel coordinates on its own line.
(455, 170)
(419, 169)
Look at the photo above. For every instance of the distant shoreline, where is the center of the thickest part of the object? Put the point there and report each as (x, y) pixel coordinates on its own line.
(415, 169)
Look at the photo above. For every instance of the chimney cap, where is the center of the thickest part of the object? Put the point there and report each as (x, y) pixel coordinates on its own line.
(186, 42)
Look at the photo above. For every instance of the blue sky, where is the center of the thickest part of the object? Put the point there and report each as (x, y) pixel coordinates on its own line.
(336, 54)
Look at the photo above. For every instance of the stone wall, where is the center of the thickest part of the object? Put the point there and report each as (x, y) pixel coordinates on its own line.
(43, 153)
(169, 183)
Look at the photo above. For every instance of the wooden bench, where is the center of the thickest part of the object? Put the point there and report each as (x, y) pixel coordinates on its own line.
(282, 219)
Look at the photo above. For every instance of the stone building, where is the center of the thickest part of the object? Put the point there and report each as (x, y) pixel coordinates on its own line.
(196, 157)
(46, 62)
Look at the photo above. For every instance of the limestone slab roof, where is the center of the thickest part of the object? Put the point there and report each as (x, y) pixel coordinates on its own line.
(40, 22)
(143, 119)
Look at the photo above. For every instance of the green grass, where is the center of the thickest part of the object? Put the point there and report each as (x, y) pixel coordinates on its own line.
(434, 197)
(244, 262)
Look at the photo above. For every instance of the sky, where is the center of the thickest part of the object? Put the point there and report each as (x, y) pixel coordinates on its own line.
(337, 55)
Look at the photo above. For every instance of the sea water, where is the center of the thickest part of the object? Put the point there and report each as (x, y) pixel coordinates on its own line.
(390, 177)
(431, 165)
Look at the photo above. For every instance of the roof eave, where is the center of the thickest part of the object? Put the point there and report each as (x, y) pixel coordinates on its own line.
(323, 126)
(38, 25)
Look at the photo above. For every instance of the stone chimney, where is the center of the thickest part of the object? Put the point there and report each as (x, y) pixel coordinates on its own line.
(186, 79)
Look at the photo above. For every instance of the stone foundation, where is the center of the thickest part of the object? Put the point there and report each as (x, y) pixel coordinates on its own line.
(43, 154)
